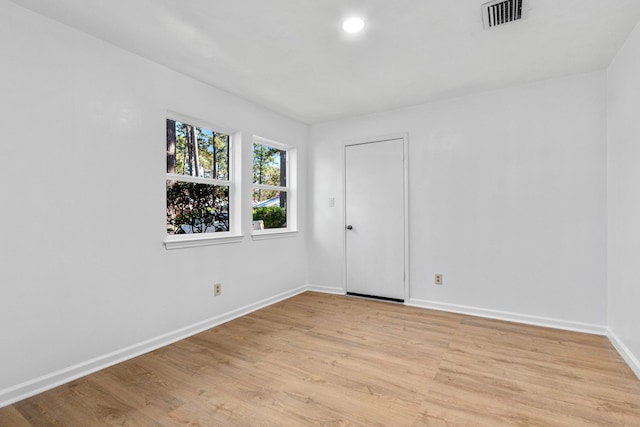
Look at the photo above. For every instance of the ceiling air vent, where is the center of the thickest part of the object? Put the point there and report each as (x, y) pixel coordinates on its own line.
(500, 12)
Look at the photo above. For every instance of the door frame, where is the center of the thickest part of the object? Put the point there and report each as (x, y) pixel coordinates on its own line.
(405, 146)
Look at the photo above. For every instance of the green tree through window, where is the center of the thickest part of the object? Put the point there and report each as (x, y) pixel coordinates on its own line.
(269, 186)
(197, 179)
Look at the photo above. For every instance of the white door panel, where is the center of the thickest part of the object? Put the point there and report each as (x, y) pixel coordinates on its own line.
(374, 196)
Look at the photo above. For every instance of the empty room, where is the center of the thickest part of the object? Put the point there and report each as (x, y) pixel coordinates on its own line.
(336, 212)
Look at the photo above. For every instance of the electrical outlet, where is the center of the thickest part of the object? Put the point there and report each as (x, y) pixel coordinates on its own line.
(217, 289)
(438, 279)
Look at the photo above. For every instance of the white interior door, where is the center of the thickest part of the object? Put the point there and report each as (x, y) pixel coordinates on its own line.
(374, 214)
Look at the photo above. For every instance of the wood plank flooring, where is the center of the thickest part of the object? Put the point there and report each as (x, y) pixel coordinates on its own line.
(331, 360)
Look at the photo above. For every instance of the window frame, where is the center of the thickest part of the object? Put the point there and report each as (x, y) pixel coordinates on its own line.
(290, 189)
(177, 241)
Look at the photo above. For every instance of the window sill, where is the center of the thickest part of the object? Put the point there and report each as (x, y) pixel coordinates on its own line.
(192, 241)
(273, 234)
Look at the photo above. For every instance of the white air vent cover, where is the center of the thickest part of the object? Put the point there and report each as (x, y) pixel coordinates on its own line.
(500, 12)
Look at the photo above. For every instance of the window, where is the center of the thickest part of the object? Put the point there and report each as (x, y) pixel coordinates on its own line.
(198, 180)
(273, 195)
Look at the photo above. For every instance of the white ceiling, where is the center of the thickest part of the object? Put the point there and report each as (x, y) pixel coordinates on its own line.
(292, 57)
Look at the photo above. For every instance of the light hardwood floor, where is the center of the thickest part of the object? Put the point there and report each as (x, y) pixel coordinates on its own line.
(331, 360)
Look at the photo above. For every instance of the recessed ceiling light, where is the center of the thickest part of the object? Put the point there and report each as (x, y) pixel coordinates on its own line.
(353, 25)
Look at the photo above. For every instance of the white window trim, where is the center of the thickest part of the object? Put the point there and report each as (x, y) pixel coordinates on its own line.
(270, 187)
(274, 233)
(181, 241)
(201, 239)
(291, 230)
(198, 180)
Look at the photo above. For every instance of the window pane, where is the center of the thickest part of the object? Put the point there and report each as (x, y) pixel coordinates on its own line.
(269, 165)
(269, 209)
(197, 151)
(221, 146)
(196, 208)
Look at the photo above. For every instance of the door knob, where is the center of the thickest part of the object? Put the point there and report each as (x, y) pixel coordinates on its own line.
(349, 227)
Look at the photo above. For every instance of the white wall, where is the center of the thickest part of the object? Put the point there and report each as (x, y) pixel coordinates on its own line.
(624, 198)
(507, 200)
(83, 269)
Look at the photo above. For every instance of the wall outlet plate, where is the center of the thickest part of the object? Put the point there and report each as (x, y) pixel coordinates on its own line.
(217, 289)
(438, 280)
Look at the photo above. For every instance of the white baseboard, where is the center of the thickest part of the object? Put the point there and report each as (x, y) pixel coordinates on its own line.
(326, 289)
(510, 317)
(624, 351)
(35, 386)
